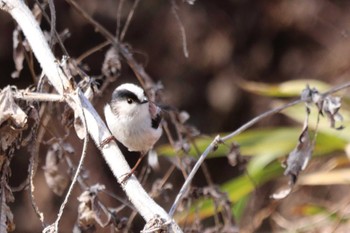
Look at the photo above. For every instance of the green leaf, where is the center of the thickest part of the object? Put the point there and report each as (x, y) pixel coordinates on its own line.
(285, 89)
(236, 189)
(251, 142)
(245, 184)
(311, 210)
(263, 145)
(239, 207)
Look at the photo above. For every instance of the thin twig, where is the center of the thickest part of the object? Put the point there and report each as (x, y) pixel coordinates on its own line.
(145, 205)
(139, 71)
(34, 160)
(52, 22)
(213, 145)
(56, 33)
(336, 89)
(35, 96)
(182, 28)
(121, 200)
(166, 176)
(119, 15)
(92, 51)
(247, 125)
(30, 61)
(80, 164)
(258, 118)
(128, 20)
(205, 169)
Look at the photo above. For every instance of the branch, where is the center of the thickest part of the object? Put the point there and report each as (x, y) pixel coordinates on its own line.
(76, 174)
(139, 71)
(182, 28)
(213, 145)
(96, 127)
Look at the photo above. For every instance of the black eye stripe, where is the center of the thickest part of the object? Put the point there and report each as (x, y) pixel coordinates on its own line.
(125, 95)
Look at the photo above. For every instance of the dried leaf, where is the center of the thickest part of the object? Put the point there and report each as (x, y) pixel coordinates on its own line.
(159, 188)
(89, 86)
(67, 67)
(18, 52)
(234, 156)
(79, 127)
(6, 216)
(297, 160)
(12, 119)
(119, 224)
(300, 156)
(21, 45)
(38, 14)
(33, 121)
(7, 224)
(9, 110)
(327, 105)
(111, 65)
(183, 116)
(156, 224)
(89, 210)
(54, 176)
(330, 107)
(67, 118)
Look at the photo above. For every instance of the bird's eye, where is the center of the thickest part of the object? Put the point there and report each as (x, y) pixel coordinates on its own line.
(129, 100)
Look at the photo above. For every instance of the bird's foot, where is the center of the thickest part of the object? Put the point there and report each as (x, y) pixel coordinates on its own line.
(107, 140)
(125, 177)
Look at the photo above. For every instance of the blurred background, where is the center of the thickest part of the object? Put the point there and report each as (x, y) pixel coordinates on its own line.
(229, 42)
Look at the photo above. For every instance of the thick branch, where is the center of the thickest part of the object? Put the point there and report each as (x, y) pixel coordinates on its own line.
(96, 127)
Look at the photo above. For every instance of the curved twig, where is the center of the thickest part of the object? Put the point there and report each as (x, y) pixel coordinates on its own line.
(96, 127)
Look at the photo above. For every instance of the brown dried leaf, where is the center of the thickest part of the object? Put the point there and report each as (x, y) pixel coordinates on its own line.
(33, 121)
(111, 65)
(37, 13)
(119, 223)
(6, 224)
(297, 161)
(89, 210)
(9, 110)
(54, 176)
(79, 127)
(6, 216)
(159, 188)
(235, 157)
(156, 224)
(12, 119)
(18, 52)
(300, 156)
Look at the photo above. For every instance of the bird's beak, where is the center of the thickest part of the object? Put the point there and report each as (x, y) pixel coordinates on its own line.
(144, 101)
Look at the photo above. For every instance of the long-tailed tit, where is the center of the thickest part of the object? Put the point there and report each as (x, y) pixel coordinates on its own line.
(133, 119)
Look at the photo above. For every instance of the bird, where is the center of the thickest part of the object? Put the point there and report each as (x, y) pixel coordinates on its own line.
(133, 120)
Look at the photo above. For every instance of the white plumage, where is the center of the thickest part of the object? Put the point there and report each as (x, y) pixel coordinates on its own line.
(132, 119)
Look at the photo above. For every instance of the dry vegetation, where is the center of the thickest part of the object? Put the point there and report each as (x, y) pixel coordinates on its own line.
(199, 60)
